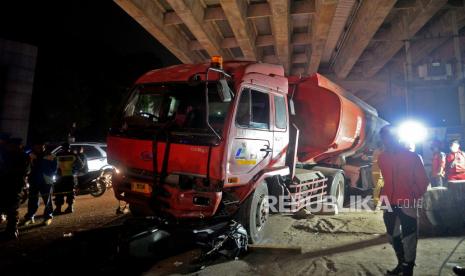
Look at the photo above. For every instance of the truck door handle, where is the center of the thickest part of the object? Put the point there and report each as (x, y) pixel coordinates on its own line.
(267, 149)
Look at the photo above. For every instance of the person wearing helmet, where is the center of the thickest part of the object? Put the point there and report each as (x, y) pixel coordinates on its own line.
(438, 164)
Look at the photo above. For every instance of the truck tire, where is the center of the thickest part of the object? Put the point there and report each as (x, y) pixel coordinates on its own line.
(336, 184)
(444, 209)
(254, 213)
(336, 189)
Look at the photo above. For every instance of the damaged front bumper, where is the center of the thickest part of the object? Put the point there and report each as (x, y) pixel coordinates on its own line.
(168, 199)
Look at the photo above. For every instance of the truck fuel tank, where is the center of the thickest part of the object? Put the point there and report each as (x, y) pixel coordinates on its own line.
(332, 122)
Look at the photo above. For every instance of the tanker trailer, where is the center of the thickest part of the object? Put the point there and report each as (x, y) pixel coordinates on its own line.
(336, 130)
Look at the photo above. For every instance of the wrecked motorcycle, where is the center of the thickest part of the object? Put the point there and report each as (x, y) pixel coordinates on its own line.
(151, 237)
(94, 183)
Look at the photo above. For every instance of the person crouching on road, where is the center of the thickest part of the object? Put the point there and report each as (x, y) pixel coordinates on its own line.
(455, 162)
(65, 185)
(43, 168)
(405, 182)
(438, 165)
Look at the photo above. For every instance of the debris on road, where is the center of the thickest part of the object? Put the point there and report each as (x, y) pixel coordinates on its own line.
(144, 243)
(355, 223)
(303, 214)
(229, 240)
(329, 209)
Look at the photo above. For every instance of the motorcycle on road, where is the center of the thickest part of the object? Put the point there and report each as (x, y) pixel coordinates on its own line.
(94, 183)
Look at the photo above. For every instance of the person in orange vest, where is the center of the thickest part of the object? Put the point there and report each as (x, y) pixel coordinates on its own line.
(438, 164)
(455, 162)
(65, 186)
(405, 182)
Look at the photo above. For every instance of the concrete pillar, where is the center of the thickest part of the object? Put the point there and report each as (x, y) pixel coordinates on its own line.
(458, 67)
(17, 67)
(461, 96)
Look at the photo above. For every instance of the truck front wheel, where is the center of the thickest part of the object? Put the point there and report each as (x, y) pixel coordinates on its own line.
(255, 212)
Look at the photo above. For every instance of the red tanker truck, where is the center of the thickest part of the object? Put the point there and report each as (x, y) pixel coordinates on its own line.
(197, 143)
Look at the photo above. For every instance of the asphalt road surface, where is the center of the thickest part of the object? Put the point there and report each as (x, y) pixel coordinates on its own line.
(89, 241)
(74, 243)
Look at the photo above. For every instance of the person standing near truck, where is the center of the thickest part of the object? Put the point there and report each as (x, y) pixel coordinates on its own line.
(3, 142)
(65, 186)
(438, 164)
(378, 181)
(455, 162)
(405, 182)
(82, 160)
(43, 168)
(15, 169)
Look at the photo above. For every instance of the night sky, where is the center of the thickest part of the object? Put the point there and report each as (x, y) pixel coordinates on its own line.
(89, 53)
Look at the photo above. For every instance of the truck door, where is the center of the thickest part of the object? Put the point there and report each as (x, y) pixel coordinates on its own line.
(280, 127)
(251, 137)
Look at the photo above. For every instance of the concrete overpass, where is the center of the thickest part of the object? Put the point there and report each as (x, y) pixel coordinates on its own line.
(372, 47)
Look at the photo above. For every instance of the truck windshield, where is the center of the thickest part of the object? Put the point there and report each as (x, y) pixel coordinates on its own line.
(179, 108)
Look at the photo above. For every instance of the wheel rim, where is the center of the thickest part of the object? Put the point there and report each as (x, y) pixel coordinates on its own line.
(262, 214)
(99, 188)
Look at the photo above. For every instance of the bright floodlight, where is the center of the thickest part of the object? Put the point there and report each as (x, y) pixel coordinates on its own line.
(412, 132)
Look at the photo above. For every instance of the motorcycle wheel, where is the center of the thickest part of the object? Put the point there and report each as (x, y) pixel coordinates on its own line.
(99, 188)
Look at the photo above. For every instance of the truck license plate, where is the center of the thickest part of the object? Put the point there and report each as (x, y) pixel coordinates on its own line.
(141, 188)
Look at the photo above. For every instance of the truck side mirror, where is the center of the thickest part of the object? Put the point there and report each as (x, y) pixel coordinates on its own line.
(291, 107)
(224, 92)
